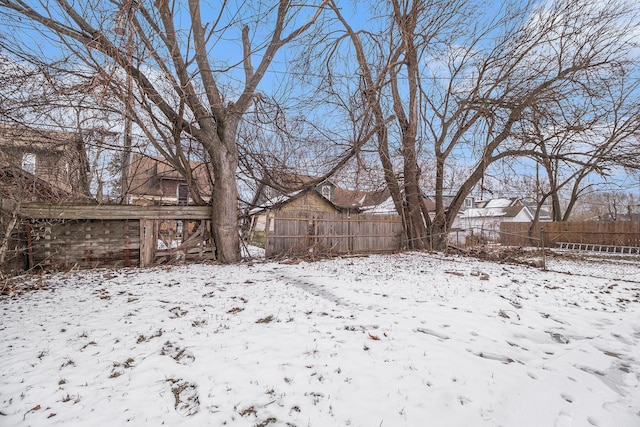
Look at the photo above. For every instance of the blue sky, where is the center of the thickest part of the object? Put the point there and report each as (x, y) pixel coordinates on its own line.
(227, 48)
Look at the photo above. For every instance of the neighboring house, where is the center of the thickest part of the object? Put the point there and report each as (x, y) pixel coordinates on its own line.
(322, 197)
(430, 203)
(308, 200)
(303, 201)
(487, 215)
(356, 201)
(278, 187)
(370, 202)
(18, 186)
(52, 157)
(152, 181)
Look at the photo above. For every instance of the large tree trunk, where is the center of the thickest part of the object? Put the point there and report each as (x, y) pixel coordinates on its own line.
(225, 194)
(415, 225)
(225, 207)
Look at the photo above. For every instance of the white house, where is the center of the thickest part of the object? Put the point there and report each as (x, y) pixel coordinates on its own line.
(484, 220)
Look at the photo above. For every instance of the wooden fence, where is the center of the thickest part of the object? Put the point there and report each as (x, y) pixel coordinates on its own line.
(623, 233)
(65, 236)
(303, 232)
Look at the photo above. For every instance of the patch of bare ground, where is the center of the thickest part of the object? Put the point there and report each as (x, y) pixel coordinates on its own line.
(502, 254)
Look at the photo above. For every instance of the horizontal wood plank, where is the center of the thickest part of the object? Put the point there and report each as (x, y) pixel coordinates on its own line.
(108, 212)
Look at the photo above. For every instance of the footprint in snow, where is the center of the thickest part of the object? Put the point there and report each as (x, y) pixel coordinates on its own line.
(438, 335)
(180, 355)
(567, 397)
(622, 339)
(563, 420)
(187, 401)
(559, 338)
(494, 356)
(177, 312)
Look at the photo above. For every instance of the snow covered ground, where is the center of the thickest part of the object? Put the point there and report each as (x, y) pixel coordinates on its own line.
(395, 340)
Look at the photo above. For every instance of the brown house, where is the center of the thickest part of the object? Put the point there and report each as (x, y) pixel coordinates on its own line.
(344, 200)
(36, 166)
(153, 181)
(17, 185)
(47, 158)
(307, 201)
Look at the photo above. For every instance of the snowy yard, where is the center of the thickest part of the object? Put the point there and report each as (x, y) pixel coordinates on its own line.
(398, 340)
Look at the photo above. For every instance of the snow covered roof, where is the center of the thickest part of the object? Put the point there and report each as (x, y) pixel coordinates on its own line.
(276, 200)
(385, 207)
(493, 212)
(499, 203)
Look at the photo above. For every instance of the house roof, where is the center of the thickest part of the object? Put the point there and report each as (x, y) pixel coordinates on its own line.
(289, 181)
(545, 214)
(340, 198)
(281, 200)
(360, 199)
(494, 212)
(146, 174)
(500, 203)
(15, 182)
(33, 139)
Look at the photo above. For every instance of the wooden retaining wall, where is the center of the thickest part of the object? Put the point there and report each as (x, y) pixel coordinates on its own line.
(304, 232)
(67, 236)
(623, 233)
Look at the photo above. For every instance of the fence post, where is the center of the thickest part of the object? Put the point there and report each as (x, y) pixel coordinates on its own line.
(349, 235)
(544, 255)
(147, 243)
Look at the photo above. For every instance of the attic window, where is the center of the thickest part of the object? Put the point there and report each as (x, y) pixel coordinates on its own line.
(468, 203)
(326, 192)
(29, 163)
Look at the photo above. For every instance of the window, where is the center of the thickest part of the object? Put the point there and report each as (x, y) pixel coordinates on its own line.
(29, 163)
(183, 194)
(326, 192)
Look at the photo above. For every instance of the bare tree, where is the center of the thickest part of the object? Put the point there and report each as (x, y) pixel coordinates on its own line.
(42, 99)
(591, 136)
(183, 76)
(463, 80)
(610, 206)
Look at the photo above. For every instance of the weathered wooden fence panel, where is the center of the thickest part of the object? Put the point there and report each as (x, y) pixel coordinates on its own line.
(302, 232)
(66, 236)
(62, 244)
(623, 233)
